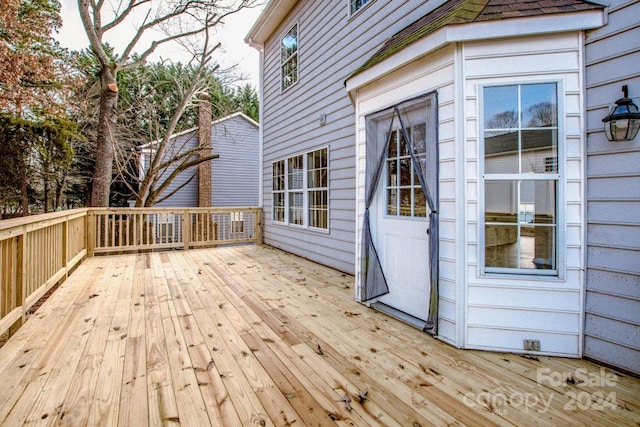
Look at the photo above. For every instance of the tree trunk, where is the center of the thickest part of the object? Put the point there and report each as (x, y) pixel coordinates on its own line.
(105, 142)
(46, 187)
(24, 196)
(59, 189)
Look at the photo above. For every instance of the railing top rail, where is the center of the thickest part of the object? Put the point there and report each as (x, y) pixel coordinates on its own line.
(14, 226)
(173, 210)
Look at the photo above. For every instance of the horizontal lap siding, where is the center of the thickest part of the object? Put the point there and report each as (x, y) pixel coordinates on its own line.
(612, 307)
(433, 72)
(502, 311)
(331, 46)
(235, 174)
(186, 196)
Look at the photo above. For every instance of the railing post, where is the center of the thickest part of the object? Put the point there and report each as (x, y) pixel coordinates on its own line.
(23, 274)
(186, 229)
(258, 219)
(90, 232)
(65, 247)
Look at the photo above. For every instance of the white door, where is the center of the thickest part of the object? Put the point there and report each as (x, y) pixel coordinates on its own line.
(401, 228)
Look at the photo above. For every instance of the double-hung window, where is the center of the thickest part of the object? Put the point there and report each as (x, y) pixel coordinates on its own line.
(278, 191)
(520, 178)
(300, 190)
(317, 189)
(295, 187)
(289, 58)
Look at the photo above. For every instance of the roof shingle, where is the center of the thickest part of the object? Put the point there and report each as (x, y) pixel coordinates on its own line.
(456, 12)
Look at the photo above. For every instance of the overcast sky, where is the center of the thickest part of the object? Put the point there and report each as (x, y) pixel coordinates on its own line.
(231, 36)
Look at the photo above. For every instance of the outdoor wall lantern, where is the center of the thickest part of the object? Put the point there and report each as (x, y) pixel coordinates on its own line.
(623, 121)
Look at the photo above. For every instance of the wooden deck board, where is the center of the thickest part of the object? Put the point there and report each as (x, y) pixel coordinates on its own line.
(251, 335)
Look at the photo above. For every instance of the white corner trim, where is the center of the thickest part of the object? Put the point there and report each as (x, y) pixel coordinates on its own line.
(515, 27)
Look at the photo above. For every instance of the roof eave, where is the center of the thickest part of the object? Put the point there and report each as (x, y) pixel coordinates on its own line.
(272, 15)
(147, 146)
(513, 27)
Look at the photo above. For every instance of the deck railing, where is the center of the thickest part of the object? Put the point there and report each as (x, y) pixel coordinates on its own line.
(36, 253)
(39, 251)
(126, 230)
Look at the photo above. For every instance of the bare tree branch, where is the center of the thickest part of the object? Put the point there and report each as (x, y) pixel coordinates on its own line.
(172, 192)
(180, 169)
(91, 27)
(133, 4)
(180, 20)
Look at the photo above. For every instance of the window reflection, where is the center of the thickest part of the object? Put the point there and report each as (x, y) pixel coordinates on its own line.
(405, 196)
(520, 223)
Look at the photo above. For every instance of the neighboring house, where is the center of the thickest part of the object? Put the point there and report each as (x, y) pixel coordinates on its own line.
(451, 175)
(230, 180)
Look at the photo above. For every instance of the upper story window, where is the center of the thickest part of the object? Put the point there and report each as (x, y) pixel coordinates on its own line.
(521, 180)
(356, 5)
(289, 57)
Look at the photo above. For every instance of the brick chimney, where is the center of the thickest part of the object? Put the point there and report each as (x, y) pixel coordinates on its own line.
(204, 141)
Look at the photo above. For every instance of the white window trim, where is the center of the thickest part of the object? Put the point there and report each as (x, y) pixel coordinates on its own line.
(560, 176)
(352, 14)
(283, 90)
(305, 193)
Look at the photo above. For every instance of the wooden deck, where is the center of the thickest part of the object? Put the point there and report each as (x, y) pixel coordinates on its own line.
(250, 335)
